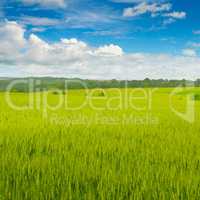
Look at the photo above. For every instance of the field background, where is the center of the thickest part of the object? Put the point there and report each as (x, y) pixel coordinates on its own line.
(100, 153)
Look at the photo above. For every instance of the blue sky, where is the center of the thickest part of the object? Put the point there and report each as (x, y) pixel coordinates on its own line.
(125, 28)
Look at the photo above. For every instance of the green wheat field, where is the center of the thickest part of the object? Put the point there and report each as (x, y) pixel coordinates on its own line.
(114, 144)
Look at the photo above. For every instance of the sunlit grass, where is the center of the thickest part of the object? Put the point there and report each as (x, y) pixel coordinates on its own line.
(126, 151)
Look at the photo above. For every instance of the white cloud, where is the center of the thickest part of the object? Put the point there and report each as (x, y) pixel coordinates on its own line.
(189, 52)
(131, 1)
(176, 15)
(194, 44)
(168, 21)
(11, 38)
(37, 50)
(33, 56)
(38, 29)
(46, 3)
(197, 32)
(109, 50)
(114, 33)
(39, 21)
(91, 19)
(173, 17)
(143, 8)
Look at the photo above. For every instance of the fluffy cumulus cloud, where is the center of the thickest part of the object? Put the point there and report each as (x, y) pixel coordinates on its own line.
(109, 50)
(11, 39)
(32, 56)
(144, 7)
(46, 3)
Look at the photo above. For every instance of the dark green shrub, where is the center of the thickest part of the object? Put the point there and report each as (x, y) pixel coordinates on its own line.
(196, 97)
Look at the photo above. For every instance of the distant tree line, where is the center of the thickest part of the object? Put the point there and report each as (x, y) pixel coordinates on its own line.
(49, 83)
